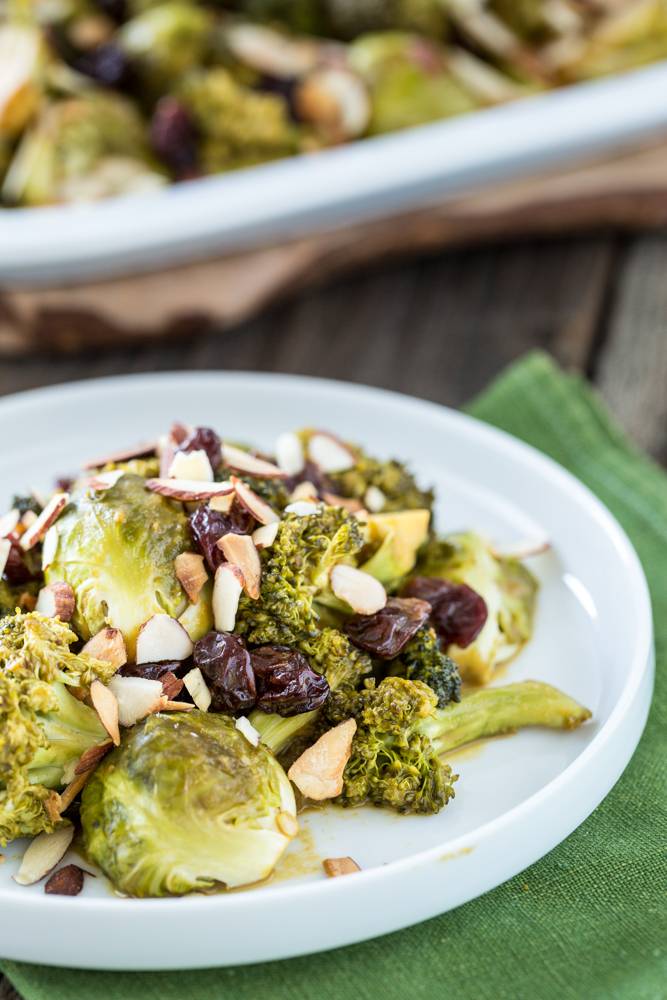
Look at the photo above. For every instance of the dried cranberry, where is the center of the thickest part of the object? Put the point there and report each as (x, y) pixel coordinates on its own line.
(172, 135)
(153, 671)
(286, 683)
(459, 612)
(108, 64)
(225, 663)
(16, 573)
(207, 526)
(204, 439)
(385, 633)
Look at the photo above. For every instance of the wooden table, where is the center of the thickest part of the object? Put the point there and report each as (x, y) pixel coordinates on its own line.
(442, 328)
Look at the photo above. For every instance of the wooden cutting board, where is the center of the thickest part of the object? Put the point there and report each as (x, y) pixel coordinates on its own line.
(626, 192)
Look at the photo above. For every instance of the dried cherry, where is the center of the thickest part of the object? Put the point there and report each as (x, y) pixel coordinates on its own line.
(16, 573)
(224, 661)
(286, 682)
(385, 633)
(154, 671)
(172, 135)
(459, 612)
(207, 526)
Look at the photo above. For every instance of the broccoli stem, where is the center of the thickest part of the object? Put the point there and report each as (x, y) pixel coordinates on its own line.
(493, 711)
(277, 732)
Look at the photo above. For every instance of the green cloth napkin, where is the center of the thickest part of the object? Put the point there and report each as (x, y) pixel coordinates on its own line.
(589, 920)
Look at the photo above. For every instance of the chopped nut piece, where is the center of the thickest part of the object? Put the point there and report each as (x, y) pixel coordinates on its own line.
(105, 704)
(242, 461)
(171, 685)
(304, 491)
(288, 824)
(187, 489)
(302, 508)
(265, 536)
(53, 807)
(137, 697)
(108, 646)
(374, 499)
(67, 881)
(176, 706)
(329, 453)
(191, 574)
(57, 599)
(198, 689)
(246, 727)
(222, 503)
(340, 866)
(49, 547)
(349, 503)
(43, 854)
(360, 590)
(254, 504)
(104, 480)
(318, 773)
(41, 524)
(289, 453)
(93, 756)
(73, 789)
(241, 551)
(191, 465)
(162, 638)
(229, 582)
(122, 455)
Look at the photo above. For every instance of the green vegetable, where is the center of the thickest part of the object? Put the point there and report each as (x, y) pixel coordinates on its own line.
(422, 659)
(397, 538)
(10, 597)
(183, 803)
(167, 40)
(342, 19)
(116, 549)
(44, 730)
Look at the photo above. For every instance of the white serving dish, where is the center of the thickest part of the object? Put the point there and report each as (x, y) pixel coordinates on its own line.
(366, 180)
(516, 798)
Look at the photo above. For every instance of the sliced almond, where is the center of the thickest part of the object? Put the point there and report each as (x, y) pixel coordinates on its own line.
(360, 590)
(329, 453)
(103, 480)
(108, 646)
(5, 549)
(191, 465)
(241, 550)
(265, 536)
(73, 789)
(288, 824)
(246, 727)
(136, 697)
(337, 100)
(334, 867)
(56, 599)
(42, 524)
(162, 638)
(105, 704)
(191, 574)
(349, 503)
(229, 583)
(270, 52)
(43, 854)
(198, 689)
(187, 489)
(289, 453)
(40, 497)
(67, 881)
(318, 772)
(93, 756)
(8, 522)
(304, 491)
(302, 508)
(222, 503)
(49, 547)
(254, 504)
(242, 461)
(123, 455)
(176, 706)
(374, 499)
(171, 685)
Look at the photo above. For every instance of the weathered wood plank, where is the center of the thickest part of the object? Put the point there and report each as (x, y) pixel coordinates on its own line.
(7, 991)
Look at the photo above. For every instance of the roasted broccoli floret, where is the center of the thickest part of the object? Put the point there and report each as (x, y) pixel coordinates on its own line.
(391, 477)
(44, 729)
(423, 660)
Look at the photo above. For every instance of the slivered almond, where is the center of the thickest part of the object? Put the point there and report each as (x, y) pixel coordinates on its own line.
(288, 824)
(187, 489)
(40, 497)
(105, 704)
(103, 480)
(329, 453)
(171, 685)
(241, 550)
(254, 504)
(245, 726)
(242, 461)
(198, 689)
(137, 697)
(229, 582)
(302, 508)
(349, 503)
(93, 756)
(360, 590)
(304, 491)
(191, 465)
(265, 536)
(123, 455)
(289, 453)
(162, 638)
(5, 549)
(52, 807)
(177, 706)
(42, 524)
(43, 854)
(191, 574)
(222, 503)
(318, 772)
(108, 646)
(56, 599)
(73, 789)
(8, 522)
(49, 547)
(334, 867)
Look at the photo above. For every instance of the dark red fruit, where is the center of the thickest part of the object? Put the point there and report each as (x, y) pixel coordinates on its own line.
(172, 136)
(459, 612)
(204, 439)
(286, 683)
(385, 633)
(224, 661)
(154, 671)
(207, 526)
(16, 573)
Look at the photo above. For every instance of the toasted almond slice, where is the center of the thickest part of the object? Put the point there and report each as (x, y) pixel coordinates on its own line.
(265, 536)
(360, 590)
(254, 504)
(329, 453)
(123, 455)
(103, 480)
(349, 503)
(289, 453)
(108, 646)
(53, 807)
(93, 756)
(288, 824)
(191, 574)
(246, 727)
(523, 549)
(242, 461)
(340, 866)
(304, 491)
(67, 881)
(56, 599)
(302, 508)
(337, 100)
(42, 524)
(43, 854)
(374, 499)
(73, 789)
(171, 685)
(222, 503)
(193, 465)
(176, 706)
(105, 704)
(241, 550)
(188, 489)
(162, 638)
(198, 689)
(5, 549)
(318, 772)
(136, 697)
(49, 547)
(8, 522)
(272, 53)
(229, 583)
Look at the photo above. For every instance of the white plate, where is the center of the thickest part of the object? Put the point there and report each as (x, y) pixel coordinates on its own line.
(339, 187)
(516, 798)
